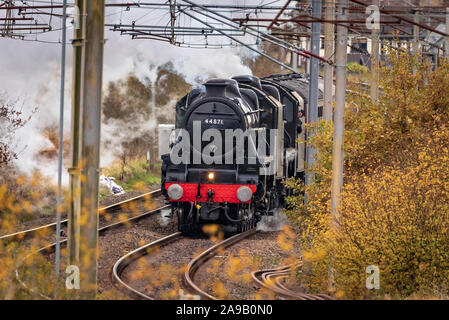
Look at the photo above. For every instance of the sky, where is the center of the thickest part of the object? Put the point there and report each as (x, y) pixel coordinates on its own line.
(30, 74)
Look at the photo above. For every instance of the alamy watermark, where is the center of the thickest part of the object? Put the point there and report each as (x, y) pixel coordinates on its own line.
(73, 279)
(227, 148)
(373, 19)
(373, 280)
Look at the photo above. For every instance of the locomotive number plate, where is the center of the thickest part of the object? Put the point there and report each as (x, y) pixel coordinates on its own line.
(214, 121)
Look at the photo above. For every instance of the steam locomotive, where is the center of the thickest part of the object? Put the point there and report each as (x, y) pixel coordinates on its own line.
(235, 141)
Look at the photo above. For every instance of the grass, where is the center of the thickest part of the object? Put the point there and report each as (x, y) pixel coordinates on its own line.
(132, 176)
(301, 69)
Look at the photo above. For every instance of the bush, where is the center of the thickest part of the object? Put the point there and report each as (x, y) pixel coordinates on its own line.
(395, 201)
(356, 68)
(134, 174)
(10, 121)
(398, 219)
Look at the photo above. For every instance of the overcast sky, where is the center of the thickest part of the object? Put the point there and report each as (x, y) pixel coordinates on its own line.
(30, 70)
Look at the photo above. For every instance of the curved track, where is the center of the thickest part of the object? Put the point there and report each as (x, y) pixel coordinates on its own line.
(201, 259)
(189, 274)
(127, 259)
(51, 248)
(272, 280)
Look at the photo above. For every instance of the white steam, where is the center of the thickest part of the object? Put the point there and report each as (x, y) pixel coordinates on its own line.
(30, 72)
(273, 223)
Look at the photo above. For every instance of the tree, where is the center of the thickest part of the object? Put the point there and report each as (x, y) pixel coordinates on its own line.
(261, 66)
(10, 121)
(127, 99)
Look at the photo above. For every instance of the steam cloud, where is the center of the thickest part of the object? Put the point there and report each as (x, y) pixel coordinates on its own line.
(31, 73)
(274, 222)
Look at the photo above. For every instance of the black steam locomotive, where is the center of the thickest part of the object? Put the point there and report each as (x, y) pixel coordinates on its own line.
(235, 141)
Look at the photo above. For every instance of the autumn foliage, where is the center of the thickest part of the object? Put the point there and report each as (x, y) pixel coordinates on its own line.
(395, 202)
(11, 119)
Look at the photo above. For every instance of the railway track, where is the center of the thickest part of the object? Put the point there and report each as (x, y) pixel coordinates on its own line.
(127, 259)
(272, 280)
(189, 274)
(34, 232)
(201, 259)
(102, 230)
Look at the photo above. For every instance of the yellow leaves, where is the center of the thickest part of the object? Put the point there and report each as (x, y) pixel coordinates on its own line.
(150, 204)
(340, 294)
(140, 186)
(35, 179)
(21, 180)
(239, 267)
(123, 217)
(213, 231)
(26, 205)
(314, 255)
(131, 207)
(220, 291)
(264, 294)
(2, 192)
(210, 228)
(233, 264)
(394, 211)
(213, 267)
(170, 294)
(385, 214)
(286, 239)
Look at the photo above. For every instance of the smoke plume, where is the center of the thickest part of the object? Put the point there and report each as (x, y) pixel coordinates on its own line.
(31, 74)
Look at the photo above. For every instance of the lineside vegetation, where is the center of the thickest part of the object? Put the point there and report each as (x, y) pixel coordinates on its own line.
(395, 202)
